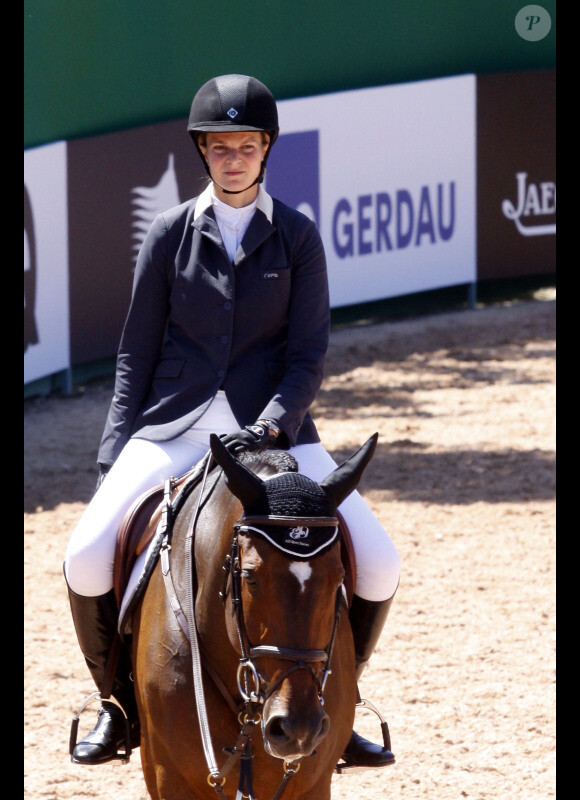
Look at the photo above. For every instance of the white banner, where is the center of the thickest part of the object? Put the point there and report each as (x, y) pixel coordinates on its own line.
(46, 305)
(395, 169)
(388, 174)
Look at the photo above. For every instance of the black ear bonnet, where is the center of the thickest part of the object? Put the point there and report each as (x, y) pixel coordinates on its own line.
(293, 495)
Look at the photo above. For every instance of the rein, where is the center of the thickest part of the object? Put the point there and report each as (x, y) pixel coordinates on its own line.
(247, 671)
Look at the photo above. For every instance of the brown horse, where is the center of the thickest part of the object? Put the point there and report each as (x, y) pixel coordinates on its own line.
(262, 590)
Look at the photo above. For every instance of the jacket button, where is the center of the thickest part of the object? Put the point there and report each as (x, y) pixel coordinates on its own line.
(224, 339)
(221, 373)
(227, 305)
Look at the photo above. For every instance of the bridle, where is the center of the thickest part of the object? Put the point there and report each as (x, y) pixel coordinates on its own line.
(252, 696)
(301, 659)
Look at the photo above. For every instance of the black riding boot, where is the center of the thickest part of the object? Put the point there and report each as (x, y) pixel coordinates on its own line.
(367, 619)
(95, 621)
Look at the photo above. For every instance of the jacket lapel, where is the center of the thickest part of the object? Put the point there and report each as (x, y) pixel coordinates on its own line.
(259, 229)
(204, 219)
(206, 224)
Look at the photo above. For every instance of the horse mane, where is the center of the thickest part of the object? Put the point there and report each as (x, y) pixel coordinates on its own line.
(285, 491)
(270, 462)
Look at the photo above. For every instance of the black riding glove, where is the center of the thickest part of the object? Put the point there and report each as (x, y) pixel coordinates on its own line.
(253, 437)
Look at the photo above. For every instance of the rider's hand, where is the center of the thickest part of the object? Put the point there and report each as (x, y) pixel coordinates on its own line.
(253, 437)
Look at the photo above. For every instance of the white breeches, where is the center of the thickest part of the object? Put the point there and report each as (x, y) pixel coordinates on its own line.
(143, 464)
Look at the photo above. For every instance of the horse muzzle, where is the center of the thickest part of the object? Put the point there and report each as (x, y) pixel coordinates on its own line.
(293, 722)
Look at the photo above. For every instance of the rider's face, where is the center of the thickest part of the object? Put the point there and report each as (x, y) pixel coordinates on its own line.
(234, 160)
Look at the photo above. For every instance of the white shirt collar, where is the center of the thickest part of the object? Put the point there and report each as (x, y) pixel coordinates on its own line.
(264, 202)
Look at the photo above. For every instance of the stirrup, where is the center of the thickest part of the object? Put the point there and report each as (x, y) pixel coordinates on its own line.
(123, 757)
(341, 768)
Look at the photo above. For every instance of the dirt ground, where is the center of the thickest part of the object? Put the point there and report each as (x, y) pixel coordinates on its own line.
(464, 480)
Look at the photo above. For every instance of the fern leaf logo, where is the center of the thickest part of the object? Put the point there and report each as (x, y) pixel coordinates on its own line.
(148, 201)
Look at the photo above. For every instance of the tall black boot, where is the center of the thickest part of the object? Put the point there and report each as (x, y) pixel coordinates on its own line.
(367, 619)
(95, 621)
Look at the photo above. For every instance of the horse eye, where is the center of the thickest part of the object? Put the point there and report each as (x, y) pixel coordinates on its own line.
(249, 578)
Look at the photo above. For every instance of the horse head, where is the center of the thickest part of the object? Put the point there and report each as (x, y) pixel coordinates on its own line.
(285, 594)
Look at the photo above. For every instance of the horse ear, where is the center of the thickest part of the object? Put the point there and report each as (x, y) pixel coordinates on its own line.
(241, 481)
(345, 478)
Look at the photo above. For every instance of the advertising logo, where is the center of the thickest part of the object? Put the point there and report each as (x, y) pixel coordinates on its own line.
(30, 328)
(533, 200)
(300, 532)
(385, 221)
(46, 296)
(516, 180)
(117, 184)
(293, 172)
(148, 201)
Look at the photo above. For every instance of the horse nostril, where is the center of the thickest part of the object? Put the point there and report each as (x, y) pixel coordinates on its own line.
(275, 729)
(324, 726)
(282, 732)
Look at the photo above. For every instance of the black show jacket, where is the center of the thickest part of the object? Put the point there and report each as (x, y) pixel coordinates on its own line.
(257, 328)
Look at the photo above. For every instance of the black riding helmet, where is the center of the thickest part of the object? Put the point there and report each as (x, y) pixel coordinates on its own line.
(231, 103)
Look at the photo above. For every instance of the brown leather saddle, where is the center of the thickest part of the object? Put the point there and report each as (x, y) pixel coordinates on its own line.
(140, 524)
(141, 521)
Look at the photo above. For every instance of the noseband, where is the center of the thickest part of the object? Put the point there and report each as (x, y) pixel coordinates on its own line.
(247, 672)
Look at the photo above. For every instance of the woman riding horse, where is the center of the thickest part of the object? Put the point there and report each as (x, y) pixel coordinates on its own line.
(226, 333)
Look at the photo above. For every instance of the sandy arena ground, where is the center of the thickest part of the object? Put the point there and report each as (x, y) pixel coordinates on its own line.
(464, 480)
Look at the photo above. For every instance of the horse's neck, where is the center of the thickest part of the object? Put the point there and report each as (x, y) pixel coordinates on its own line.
(214, 530)
(212, 543)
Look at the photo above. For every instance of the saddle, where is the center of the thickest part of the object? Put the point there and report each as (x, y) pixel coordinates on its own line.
(141, 523)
